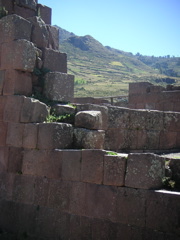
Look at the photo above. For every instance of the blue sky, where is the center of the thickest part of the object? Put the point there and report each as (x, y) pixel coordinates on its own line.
(150, 27)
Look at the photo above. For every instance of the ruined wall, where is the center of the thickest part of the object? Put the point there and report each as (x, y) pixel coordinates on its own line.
(49, 190)
(145, 95)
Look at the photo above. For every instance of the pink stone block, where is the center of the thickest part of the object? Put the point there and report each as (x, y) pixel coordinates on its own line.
(24, 12)
(54, 60)
(31, 4)
(71, 165)
(19, 55)
(168, 140)
(17, 82)
(2, 105)
(42, 163)
(92, 166)
(15, 156)
(45, 13)
(14, 27)
(60, 136)
(30, 136)
(144, 171)
(53, 37)
(15, 135)
(12, 109)
(114, 170)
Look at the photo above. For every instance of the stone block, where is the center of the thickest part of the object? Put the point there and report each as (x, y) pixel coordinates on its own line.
(61, 109)
(168, 140)
(6, 184)
(61, 199)
(8, 5)
(89, 139)
(45, 13)
(2, 106)
(101, 202)
(13, 27)
(30, 136)
(59, 86)
(41, 191)
(42, 163)
(138, 88)
(131, 205)
(60, 135)
(3, 159)
(92, 166)
(12, 108)
(129, 232)
(31, 4)
(118, 117)
(24, 12)
(23, 191)
(89, 119)
(71, 165)
(62, 225)
(15, 135)
(175, 169)
(54, 60)
(40, 33)
(17, 82)
(33, 111)
(172, 121)
(162, 211)
(53, 37)
(3, 133)
(19, 55)
(144, 171)
(114, 170)
(78, 198)
(15, 156)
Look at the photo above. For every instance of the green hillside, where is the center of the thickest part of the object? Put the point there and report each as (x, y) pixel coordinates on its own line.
(104, 71)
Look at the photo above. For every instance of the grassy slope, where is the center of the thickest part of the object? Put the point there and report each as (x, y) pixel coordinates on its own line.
(101, 71)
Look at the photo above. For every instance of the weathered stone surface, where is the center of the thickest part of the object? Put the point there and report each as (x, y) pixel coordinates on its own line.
(54, 60)
(89, 139)
(8, 5)
(42, 163)
(3, 133)
(45, 13)
(92, 166)
(175, 168)
(3, 160)
(71, 165)
(2, 76)
(40, 33)
(89, 119)
(13, 27)
(59, 86)
(19, 55)
(60, 135)
(62, 109)
(24, 12)
(15, 156)
(33, 111)
(114, 170)
(94, 107)
(53, 37)
(12, 108)
(27, 3)
(17, 82)
(144, 171)
(15, 135)
(30, 135)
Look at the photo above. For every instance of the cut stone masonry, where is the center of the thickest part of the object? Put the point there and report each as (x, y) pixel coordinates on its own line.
(56, 179)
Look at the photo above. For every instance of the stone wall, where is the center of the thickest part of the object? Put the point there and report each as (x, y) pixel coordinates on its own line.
(145, 95)
(49, 187)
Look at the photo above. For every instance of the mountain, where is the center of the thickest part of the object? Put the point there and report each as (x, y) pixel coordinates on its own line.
(104, 71)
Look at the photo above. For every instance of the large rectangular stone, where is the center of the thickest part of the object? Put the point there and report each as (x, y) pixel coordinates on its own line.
(42, 163)
(32, 4)
(19, 54)
(41, 191)
(24, 12)
(53, 37)
(2, 75)
(17, 82)
(92, 166)
(60, 136)
(14, 27)
(2, 106)
(45, 13)
(144, 171)
(114, 170)
(15, 135)
(71, 165)
(12, 108)
(30, 136)
(8, 5)
(54, 60)
(15, 156)
(3, 159)
(59, 87)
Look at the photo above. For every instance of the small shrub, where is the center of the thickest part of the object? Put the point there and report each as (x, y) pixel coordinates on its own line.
(168, 183)
(112, 153)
